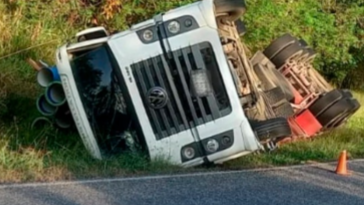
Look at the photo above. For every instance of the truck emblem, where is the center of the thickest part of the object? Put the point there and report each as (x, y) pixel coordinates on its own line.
(157, 97)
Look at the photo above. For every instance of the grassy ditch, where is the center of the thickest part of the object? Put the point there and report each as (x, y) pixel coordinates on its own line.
(46, 155)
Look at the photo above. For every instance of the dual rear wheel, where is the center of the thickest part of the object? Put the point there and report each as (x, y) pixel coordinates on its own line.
(334, 107)
(287, 47)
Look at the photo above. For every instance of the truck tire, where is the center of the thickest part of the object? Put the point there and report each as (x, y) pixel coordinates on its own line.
(279, 44)
(325, 101)
(346, 93)
(336, 111)
(287, 53)
(303, 43)
(345, 116)
(310, 54)
(272, 128)
(240, 27)
(233, 8)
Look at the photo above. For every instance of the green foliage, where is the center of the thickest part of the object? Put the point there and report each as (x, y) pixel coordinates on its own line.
(334, 29)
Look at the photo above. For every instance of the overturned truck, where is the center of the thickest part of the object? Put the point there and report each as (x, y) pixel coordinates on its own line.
(181, 87)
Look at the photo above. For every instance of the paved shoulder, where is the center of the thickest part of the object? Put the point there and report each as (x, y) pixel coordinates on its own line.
(295, 185)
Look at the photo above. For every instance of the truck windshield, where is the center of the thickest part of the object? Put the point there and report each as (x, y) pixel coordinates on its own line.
(101, 97)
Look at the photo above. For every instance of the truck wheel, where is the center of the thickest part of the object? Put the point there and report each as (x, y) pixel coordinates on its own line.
(240, 27)
(345, 116)
(346, 93)
(272, 128)
(341, 108)
(279, 44)
(286, 54)
(303, 43)
(324, 102)
(310, 54)
(233, 8)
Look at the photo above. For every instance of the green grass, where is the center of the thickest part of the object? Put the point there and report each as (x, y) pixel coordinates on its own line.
(49, 154)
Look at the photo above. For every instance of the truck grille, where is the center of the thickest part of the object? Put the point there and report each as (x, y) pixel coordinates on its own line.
(184, 110)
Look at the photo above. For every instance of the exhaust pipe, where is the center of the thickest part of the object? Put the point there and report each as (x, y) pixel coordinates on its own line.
(63, 118)
(46, 75)
(40, 122)
(44, 107)
(55, 94)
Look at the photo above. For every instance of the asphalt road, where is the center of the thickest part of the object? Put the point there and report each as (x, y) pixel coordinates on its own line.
(296, 185)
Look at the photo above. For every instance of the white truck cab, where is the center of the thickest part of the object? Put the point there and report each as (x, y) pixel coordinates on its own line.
(165, 84)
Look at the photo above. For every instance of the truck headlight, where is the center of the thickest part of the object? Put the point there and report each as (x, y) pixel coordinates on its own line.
(148, 35)
(174, 27)
(212, 145)
(189, 152)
